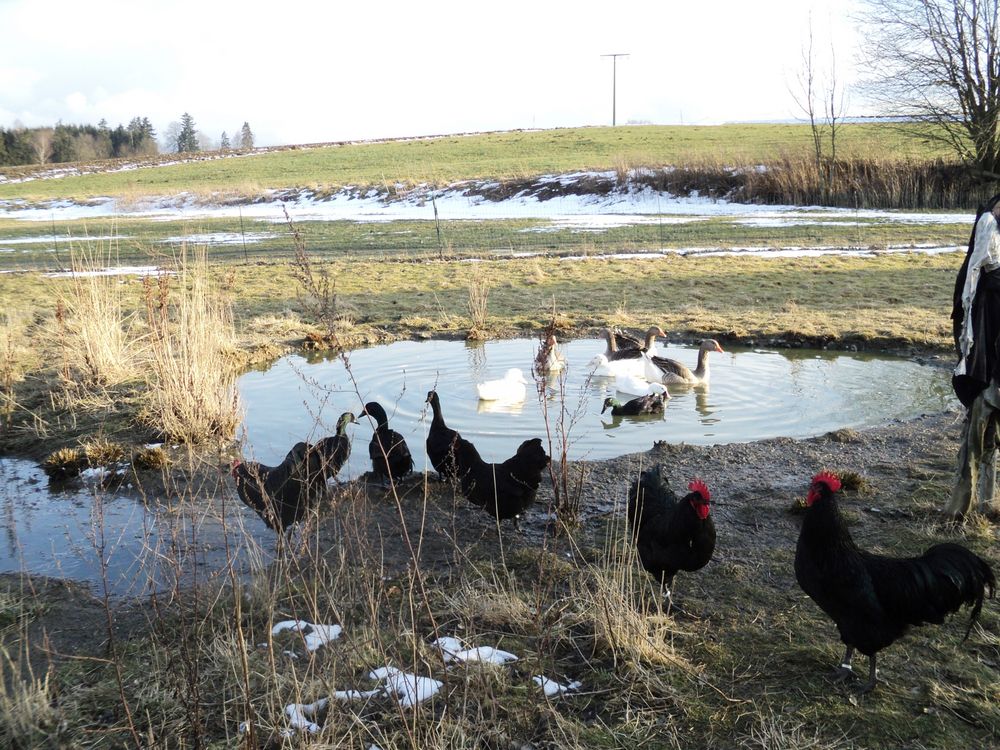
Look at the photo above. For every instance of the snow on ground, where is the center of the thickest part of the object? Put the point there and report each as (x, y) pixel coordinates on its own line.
(48, 239)
(117, 271)
(218, 238)
(462, 202)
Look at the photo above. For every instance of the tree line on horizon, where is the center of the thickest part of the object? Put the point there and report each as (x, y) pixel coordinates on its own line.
(64, 143)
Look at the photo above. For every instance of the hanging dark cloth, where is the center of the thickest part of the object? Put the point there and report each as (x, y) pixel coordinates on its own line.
(983, 363)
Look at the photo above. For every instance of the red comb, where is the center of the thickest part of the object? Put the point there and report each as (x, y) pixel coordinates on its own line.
(831, 480)
(701, 488)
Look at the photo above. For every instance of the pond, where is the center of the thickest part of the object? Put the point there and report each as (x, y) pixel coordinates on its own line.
(64, 530)
(753, 394)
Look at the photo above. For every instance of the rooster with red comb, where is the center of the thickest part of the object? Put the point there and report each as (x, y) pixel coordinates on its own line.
(670, 534)
(872, 598)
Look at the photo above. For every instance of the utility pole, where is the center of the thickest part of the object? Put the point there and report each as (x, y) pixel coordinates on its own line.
(614, 83)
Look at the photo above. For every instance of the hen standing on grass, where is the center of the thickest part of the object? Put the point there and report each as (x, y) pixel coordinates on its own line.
(872, 598)
(391, 459)
(282, 494)
(670, 534)
(504, 490)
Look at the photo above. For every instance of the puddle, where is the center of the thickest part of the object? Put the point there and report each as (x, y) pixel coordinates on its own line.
(57, 532)
(754, 394)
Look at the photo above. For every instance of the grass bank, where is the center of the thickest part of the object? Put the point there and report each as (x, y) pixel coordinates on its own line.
(507, 156)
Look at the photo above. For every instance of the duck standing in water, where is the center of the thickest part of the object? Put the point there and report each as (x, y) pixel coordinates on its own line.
(441, 440)
(281, 495)
(391, 458)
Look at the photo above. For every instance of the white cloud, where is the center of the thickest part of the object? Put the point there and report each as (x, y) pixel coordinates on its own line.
(311, 71)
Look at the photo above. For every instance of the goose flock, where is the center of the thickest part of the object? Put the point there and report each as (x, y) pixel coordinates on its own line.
(282, 494)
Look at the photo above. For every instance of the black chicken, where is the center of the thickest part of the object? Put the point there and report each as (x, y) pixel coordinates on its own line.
(504, 489)
(391, 459)
(874, 599)
(670, 534)
(282, 494)
(441, 441)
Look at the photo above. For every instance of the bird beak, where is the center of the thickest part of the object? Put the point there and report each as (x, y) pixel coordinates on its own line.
(719, 349)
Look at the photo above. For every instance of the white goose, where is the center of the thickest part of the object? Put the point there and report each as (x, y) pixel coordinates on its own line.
(635, 386)
(511, 387)
(603, 368)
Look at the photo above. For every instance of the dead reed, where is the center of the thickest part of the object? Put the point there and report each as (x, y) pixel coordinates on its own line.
(478, 305)
(100, 344)
(191, 390)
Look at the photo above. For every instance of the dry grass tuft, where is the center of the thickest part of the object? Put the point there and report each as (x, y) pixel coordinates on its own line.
(103, 452)
(29, 716)
(99, 345)
(192, 395)
(478, 303)
(64, 463)
(13, 352)
(150, 459)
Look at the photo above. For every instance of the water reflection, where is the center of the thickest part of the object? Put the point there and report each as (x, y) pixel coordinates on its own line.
(67, 530)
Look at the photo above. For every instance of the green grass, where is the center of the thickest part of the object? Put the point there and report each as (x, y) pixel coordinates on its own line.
(500, 155)
(141, 241)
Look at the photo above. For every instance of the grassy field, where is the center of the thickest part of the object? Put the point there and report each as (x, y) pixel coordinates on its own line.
(144, 242)
(509, 155)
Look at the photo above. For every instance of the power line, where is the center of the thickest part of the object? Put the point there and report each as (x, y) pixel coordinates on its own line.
(614, 82)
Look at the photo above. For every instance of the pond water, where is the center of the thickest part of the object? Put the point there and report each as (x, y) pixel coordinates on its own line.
(64, 530)
(754, 394)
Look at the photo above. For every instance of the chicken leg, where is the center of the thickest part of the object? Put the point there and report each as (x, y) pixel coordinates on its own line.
(872, 677)
(844, 671)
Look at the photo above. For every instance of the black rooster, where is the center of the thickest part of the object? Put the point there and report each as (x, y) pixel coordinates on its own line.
(670, 534)
(282, 494)
(441, 441)
(504, 489)
(874, 599)
(391, 459)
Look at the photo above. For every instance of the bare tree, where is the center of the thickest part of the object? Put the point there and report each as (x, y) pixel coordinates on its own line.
(805, 94)
(41, 144)
(823, 103)
(938, 62)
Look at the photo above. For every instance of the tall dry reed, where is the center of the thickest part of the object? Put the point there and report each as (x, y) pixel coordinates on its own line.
(478, 303)
(13, 354)
(192, 395)
(95, 325)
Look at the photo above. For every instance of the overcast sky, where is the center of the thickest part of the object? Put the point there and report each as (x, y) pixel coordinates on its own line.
(303, 72)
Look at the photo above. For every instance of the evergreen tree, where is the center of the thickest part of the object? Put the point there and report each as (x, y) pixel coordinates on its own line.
(246, 136)
(224, 142)
(187, 139)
